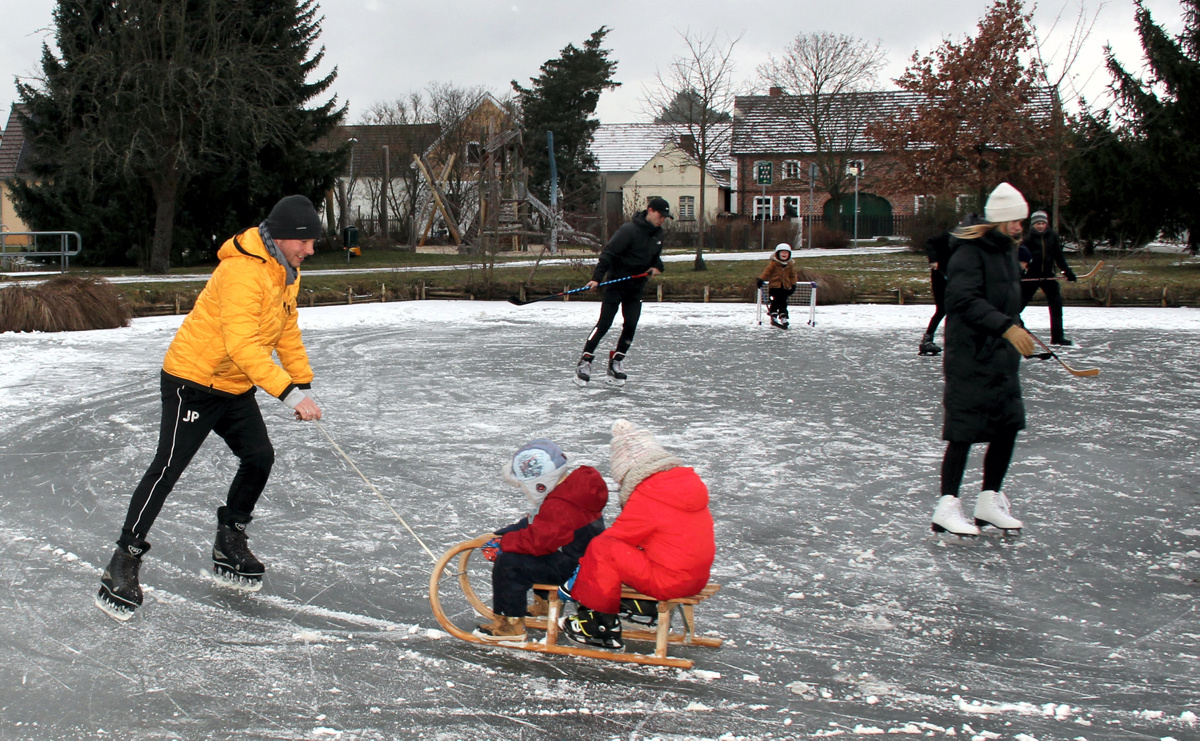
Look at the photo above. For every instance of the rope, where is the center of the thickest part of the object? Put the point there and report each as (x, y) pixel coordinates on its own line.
(338, 448)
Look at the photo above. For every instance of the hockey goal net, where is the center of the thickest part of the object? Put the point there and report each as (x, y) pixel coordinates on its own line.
(804, 298)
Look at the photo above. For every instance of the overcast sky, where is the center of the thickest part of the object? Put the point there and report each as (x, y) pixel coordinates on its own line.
(386, 48)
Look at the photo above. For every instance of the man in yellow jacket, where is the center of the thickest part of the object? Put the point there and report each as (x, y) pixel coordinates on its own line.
(219, 356)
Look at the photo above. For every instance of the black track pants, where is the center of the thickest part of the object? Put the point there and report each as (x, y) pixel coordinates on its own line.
(188, 415)
(515, 574)
(631, 311)
(995, 463)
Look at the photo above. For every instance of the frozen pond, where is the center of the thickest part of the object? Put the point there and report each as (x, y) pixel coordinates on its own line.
(842, 614)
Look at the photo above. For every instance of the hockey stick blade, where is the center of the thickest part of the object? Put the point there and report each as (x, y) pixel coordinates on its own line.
(1084, 373)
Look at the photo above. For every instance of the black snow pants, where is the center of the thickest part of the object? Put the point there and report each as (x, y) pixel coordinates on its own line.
(1053, 299)
(515, 573)
(779, 301)
(937, 282)
(188, 415)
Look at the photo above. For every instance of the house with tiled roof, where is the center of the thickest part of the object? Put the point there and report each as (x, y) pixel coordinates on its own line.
(14, 162)
(639, 161)
(776, 136)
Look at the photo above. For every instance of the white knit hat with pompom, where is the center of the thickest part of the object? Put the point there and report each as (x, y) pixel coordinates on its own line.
(636, 455)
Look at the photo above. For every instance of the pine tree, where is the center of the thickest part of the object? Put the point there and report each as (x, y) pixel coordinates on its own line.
(198, 104)
(562, 99)
(1164, 111)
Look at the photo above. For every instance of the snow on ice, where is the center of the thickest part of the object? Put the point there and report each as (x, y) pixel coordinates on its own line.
(842, 614)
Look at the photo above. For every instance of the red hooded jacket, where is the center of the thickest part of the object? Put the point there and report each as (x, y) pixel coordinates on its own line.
(662, 544)
(576, 502)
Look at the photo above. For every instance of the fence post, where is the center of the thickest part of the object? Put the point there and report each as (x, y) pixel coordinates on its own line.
(349, 295)
(566, 296)
(660, 285)
(706, 294)
(383, 293)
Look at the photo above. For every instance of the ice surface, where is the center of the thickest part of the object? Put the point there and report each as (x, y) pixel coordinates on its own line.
(842, 614)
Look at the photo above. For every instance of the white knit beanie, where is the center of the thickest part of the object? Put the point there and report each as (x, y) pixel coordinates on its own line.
(636, 456)
(1005, 204)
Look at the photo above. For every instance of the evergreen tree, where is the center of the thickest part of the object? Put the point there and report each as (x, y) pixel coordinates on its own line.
(188, 115)
(1164, 111)
(562, 99)
(687, 107)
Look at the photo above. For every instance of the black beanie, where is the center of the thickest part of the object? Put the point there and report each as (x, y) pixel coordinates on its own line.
(294, 218)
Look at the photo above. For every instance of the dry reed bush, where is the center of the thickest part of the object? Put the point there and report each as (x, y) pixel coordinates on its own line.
(62, 304)
(830, 288)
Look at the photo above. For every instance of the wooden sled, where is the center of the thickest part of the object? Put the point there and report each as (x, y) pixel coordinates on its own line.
(662, 635)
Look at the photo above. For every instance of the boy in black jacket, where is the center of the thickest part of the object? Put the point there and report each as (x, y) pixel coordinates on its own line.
(1045, 260)
(635, 248)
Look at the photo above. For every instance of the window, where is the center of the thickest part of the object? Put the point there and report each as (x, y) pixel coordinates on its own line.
(964, 203)
(790, 206)
(473, 153)
(791, 169)
(687, 208)
(658, 168)
(762, 207)
(920, 203)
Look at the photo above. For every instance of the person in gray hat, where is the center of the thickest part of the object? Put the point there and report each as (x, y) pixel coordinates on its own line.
(636, 248)
(220, 356)
(1045, 260)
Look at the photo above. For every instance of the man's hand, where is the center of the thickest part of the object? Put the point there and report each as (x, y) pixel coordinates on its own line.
(307, 409)
(1020, 339)
(1070, 275)
(653, 272)
(592, 284)
(491, 549)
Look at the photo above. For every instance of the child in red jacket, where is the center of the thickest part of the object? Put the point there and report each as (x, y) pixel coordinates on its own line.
(661, 544)
(567, 512)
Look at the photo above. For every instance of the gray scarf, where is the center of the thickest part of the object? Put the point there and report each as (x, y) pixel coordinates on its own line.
(273, 251)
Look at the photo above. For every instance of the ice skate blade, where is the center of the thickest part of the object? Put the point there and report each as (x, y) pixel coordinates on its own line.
(114, 611)
(579, 382)
(1006, 531)
(938, 529)
(233, 581)
(615, 382)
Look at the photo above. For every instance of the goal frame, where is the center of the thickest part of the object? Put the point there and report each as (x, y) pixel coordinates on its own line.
(805, 295)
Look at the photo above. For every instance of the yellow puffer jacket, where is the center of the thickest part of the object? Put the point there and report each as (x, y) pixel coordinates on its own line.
(246, 312)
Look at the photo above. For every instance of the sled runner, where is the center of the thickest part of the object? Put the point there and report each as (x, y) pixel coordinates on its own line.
(662, 636)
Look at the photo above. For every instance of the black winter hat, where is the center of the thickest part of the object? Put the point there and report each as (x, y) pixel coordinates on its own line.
(294, 217)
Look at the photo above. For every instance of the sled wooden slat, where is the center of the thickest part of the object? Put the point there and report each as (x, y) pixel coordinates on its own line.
(662, 636)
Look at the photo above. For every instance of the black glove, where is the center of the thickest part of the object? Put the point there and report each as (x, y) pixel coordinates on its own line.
(1070, 276)
(761, 282)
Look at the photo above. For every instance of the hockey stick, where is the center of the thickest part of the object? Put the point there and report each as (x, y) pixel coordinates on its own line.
(517, 300)
(1092, 272)
(1050, 353)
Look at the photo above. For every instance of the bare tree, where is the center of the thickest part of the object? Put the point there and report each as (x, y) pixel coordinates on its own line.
(698, 91)
(826, 72)
(1055, 67)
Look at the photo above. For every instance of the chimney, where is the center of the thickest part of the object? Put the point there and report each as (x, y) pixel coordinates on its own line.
(775, 92)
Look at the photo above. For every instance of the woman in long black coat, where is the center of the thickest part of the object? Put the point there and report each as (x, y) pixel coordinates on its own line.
(984, 346)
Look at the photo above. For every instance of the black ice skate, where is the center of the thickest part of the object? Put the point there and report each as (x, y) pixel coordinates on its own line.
(779, 321)
(593, 628)
(616, 375)
(640, 611)
(233, 563)
(583, 371)
(1061, 341)
(120, 593)
(928, 347)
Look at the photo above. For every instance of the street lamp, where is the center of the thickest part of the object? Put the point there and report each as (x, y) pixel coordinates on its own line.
(350, 195)
(854, 167)
(812, 178)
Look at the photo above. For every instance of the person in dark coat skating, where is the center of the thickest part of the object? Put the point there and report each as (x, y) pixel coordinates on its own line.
(635, 248)
(984, 346)
(1045, 260)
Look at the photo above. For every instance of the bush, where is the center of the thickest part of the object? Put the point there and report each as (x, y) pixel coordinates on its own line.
(62, 304)
(830, 239)
(931, 221)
